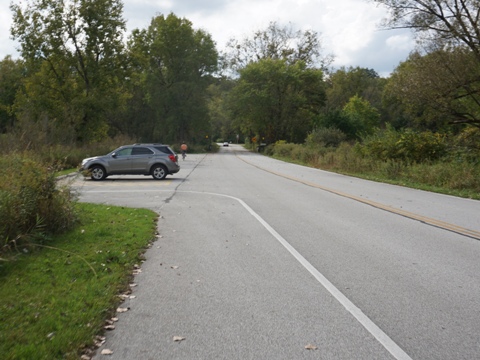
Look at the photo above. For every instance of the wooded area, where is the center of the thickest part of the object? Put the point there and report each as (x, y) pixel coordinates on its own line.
(81, 80)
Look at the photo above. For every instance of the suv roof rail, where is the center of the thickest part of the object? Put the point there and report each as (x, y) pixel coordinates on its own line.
(148, 144)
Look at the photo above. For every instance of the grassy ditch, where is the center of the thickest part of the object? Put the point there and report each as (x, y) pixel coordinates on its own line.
(55, 298)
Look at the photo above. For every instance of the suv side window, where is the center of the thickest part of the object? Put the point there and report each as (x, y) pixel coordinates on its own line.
(124, 152)
(141, 151)
(163, 149)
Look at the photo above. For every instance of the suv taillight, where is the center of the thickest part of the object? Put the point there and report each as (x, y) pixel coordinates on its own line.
(172, 157)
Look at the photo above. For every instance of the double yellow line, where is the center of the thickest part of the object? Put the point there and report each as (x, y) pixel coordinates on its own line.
(430, 221)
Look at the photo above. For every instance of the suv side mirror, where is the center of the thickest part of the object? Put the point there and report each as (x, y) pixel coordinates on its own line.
(114, 155)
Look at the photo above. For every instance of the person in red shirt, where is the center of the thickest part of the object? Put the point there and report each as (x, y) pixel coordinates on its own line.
(184, 149)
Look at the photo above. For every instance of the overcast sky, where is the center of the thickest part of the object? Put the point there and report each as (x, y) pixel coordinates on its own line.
(348, 28)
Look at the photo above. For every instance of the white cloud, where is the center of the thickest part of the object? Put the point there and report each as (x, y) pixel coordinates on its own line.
(347, 27)
(400, 42)
(7, 46)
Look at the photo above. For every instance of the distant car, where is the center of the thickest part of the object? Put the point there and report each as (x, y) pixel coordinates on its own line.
(225, 143)
(157, 160)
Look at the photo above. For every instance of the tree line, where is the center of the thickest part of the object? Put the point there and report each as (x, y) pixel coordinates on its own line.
(79, 80)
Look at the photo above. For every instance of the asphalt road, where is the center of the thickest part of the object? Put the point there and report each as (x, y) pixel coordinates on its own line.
(259, 259)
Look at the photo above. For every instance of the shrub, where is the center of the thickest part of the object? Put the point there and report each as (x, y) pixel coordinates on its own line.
(283, 149)
(405, 145)
(31, 203)
(451, 175)
(269, 149)
(326, 137)
(465, 147)
(61, 156)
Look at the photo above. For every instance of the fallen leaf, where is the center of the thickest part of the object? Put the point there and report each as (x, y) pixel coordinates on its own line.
(178, 338)
(85, 357)
(106, 352)
(122, 310)
(114, 319)
(311, 347)
(99, 343)
(174, 267)
(109, 327)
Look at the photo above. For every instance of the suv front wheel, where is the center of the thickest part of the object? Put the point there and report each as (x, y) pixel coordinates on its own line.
(159, 172)
(97, 173)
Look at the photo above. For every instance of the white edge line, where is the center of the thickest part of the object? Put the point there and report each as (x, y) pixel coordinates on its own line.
(364, 320)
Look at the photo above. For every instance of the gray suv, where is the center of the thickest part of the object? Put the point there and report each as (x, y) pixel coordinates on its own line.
(139, 159)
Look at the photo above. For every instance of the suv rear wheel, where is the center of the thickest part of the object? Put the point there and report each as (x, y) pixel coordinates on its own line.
(97, 172)
(159, 172)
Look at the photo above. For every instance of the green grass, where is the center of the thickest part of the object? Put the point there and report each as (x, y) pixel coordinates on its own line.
(55, 299)
(457, 177)
(426, 177)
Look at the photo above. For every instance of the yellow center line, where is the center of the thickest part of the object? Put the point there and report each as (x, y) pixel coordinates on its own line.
(424, 219)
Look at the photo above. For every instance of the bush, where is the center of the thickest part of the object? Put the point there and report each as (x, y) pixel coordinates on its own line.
(61, 156)
(465, 147)
(326, 137)
(31, 203)
(283, 149)
(405, 145)
(457, 174)
(451, 175)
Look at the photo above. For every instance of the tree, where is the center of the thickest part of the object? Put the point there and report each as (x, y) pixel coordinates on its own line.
(220, 120)
(345, 83)
(74, 51)
(11, 76)
(441, 23)
(176, 63)
(277, 100)
(277, 43)
(336, 119)
(447, 80)
(439, 88)
(363, 117)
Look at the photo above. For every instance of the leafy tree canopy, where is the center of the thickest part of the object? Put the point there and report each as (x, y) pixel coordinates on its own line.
(445, 84)
(11, 77)
(176, 63)
(277, 100)
(364, 118)
(438, 88)
(277, 42)
(345, 83)
(74, 50)
(437, 22)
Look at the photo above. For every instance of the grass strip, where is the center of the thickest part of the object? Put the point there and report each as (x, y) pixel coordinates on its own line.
(405, 178)
(55, 299)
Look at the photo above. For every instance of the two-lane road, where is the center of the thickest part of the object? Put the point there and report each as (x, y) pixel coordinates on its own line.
(259, 259)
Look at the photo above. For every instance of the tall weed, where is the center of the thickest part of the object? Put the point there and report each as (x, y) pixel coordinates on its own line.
(404, 145)
(458, 175)
(31, 203)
